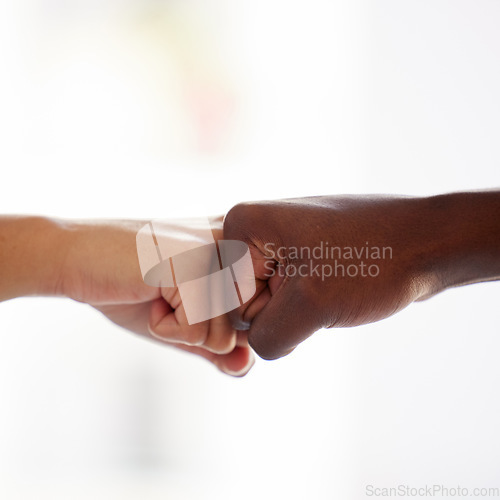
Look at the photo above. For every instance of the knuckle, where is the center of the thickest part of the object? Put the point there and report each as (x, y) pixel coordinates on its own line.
(196, 335)
(153, 331)
(263, 348)
(236, 219)
(223, 345)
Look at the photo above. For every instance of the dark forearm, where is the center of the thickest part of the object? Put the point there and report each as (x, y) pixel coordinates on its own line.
(463, 244)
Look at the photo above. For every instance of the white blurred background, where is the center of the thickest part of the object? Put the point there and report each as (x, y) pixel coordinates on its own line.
(151, 109)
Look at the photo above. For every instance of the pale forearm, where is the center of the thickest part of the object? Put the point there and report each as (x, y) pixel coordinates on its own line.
(31, 256)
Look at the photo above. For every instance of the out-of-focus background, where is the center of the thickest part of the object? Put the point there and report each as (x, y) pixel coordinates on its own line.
(151, 109)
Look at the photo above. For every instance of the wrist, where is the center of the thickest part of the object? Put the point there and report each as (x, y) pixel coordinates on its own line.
(462, 239)
(98, 255)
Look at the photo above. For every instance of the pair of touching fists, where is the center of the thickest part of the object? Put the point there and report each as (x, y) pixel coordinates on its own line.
(299, 265)
(334, 261)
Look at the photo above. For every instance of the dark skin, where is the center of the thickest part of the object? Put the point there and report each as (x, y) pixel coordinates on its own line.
(436, 243)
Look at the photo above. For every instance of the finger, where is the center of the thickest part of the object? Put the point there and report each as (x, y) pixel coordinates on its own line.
(256, 306)
(242, 339)
(259, 302)
(267, 281)
(286, 320)
(238, 316)
(236, 363)
(247, 223)
(221, 337)
(216, 335)
(171, 325)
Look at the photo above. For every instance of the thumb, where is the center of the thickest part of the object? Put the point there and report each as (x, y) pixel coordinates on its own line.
(285, 321)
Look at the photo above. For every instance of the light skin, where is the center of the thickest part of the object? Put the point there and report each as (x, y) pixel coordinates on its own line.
(437, 242)
(95, 262)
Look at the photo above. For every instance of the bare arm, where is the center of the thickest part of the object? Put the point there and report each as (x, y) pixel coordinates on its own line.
(338, 261)
(31, 252)
(96, 262)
